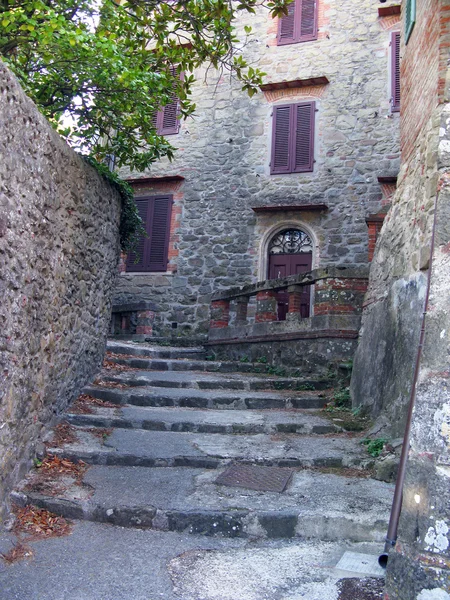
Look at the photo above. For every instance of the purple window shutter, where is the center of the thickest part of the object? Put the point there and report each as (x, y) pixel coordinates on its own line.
(169, 122)
(281, 139)
(300, 24)
(395, 71)
(303, 139)
(286, 25)
(159, 231)
(308, 20)
(136, 261)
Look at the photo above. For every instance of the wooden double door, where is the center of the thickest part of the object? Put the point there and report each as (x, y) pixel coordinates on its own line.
(283, 265)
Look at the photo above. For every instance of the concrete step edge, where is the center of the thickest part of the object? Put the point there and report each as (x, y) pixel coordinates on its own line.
(245, 523)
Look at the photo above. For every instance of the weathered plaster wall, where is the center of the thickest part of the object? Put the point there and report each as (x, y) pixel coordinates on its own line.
(58, 259)
(224, 153)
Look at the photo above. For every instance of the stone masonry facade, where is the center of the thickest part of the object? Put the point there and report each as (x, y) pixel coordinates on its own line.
(221, 171)
(59, 250)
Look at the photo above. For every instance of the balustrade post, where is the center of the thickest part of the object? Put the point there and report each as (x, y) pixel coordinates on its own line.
(144, 323)
(241, 310)
(294, 299)
(266, 306)
(220, 314)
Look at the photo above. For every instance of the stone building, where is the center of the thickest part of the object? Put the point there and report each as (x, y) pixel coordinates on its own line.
(290, 180)
(412, 253)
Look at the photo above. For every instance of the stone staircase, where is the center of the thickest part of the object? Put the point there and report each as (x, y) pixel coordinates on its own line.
(160, 425)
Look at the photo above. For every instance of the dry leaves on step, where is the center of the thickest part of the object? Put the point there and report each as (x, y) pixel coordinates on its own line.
(110, 384)
(38, 523)
(84, 404)
(18, 552)
(63, 434)
(54, 466)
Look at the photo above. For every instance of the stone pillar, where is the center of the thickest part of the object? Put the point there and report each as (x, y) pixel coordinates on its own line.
(124, 323)
(241, 310)
(220, 314)
(144, 323)
(266, 306)
(294, 299)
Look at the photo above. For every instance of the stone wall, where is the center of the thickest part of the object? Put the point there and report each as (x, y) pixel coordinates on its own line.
(421, 559)
(418, 566)
(393, 308)
(59, 252)
(223, 156)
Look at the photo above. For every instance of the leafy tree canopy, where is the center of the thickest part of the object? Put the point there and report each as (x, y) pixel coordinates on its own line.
(110, 66)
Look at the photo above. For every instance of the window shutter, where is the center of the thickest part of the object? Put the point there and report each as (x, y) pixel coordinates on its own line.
(395, 71)
(300, 24)
(293, 138)
(304, 137)
(308, 20)
(286, 28)
(281, 136)
(159, 231)
(169, 122)
(136, 260)
(410, 19)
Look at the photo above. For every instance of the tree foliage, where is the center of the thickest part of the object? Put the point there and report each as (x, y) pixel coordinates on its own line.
(110, 66)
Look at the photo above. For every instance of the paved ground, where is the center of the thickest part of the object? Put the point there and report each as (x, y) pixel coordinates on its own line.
(102, 562)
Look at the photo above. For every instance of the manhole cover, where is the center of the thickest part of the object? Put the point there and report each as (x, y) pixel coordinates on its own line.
(262, 479)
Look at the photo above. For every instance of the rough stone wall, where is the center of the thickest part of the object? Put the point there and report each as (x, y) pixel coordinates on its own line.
(421, 560)
(391, 321)
(58, 260)
(224, 154)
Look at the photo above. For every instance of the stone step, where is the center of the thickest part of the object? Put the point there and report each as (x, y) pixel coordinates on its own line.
(206, 381)
(149, 448)
(155, 350)
(205, 366)
(201, 421)
(314, 505)
(217, 399)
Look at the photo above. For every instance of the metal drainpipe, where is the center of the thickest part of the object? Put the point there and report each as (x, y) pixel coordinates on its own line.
(391, 537)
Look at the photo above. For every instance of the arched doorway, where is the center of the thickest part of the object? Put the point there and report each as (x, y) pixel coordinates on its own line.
(290, 253)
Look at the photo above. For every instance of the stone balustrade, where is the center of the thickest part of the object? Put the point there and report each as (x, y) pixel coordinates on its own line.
(335, 291)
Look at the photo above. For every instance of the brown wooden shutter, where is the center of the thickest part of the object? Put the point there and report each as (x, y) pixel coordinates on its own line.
(281, 138)
(159, 232)
(395, 71)
(136, 261)
(300, 24)
(304, 117)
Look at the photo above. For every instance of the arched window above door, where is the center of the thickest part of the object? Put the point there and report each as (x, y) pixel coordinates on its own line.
(291, 241)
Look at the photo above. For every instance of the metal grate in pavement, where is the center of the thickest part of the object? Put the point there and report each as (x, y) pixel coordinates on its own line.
(262, 479)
